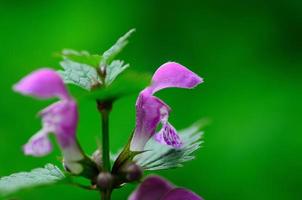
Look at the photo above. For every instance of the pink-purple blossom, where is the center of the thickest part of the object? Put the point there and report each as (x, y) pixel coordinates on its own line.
(60, 118)
(156, 188)
(152, 111)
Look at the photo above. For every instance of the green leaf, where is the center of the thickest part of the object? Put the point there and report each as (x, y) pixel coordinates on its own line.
(158, 156)
(80, 68)
(48, 175)
(115, 68)
(109, 55)
(82, 57)
(79, 74)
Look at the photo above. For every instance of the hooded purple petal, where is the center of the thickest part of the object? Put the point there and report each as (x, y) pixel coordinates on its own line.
(43, 83)
(151, 111)
(181, 194)
(152, 188)
(172, 74)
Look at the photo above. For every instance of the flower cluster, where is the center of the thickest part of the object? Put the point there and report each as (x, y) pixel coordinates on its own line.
(61, 119)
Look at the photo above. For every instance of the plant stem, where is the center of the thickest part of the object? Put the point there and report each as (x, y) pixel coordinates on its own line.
(106, 195)
(105, 108)
(105, 131)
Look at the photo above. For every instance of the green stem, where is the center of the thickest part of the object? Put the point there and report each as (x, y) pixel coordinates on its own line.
(105, 108)
(106, 195)
(105, 140)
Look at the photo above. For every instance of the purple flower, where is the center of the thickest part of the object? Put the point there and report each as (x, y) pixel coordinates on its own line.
(151, 111)
(60, 118)
(156, 188)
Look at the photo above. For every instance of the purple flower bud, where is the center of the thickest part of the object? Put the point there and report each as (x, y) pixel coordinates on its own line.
(59, 118)
(105, 180)
(133, 172)
(151, 111)
(156, 188)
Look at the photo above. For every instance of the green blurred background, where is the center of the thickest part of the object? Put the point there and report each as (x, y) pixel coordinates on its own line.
(249, 53)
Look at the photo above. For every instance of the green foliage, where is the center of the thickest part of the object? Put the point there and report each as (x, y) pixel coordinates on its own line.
(48, 175)
(90, 71)
(123, 156)
(79, 74)
(109, 55)
(249, 53)
(82, 57)
(158, 156)
(113, 70)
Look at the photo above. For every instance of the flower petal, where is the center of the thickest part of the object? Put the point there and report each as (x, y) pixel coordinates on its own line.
(59, 118)
(181, 194)
(43, 83)
(38, 145)
(152, 188)
(172, 74)
(62, 117)
(168, 136)
(149, 112)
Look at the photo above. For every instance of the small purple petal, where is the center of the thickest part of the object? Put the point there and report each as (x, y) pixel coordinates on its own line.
(181, 194)
(172, 74)
(43, 83)
(168, 136)
(152, 188)
(38, 145)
